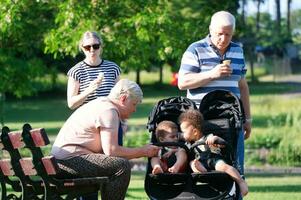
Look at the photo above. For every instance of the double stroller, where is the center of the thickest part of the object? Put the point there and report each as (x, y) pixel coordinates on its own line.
(223, 116)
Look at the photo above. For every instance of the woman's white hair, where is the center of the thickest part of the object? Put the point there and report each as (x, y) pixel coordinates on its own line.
(128, 87)
(222, 18)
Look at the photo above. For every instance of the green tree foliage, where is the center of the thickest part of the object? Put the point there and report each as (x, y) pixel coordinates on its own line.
(266, 36)
(138, 34)
(22, 61)
(296, 26)
(22, 25)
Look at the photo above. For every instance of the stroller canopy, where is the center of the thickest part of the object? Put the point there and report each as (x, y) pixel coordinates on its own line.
(223, 104)
(168, 109)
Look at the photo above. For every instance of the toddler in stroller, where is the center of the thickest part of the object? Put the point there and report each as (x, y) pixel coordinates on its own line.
(171, 159)
(206, 154)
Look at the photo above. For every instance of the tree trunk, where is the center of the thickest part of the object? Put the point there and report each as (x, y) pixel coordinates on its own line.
(278, 16)
(288, 17)
(243, 12)
(252, 68)
(258, 16)
(161, 74)
(138, 76)
(2, 101)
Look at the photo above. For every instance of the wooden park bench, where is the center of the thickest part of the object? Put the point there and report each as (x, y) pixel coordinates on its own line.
(12, 172)
(36, 175)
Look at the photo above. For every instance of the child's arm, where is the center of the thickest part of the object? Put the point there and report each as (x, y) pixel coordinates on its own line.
(212, 139)
(170, 152)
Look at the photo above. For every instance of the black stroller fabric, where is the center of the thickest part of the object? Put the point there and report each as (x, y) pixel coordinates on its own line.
(222, 113)
(168, 109)
(224, 116)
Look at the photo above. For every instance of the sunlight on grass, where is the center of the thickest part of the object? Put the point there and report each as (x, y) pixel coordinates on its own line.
(277, 187)
(136, 187)
(151, 77)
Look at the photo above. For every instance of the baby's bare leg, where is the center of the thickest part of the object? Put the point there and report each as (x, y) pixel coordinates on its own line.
(157, 169)
(155, 162)
(181, 157)
(197, 166)
(222, 166)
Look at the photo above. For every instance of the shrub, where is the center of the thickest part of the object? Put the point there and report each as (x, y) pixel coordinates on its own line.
(136, 139)
(264, 141)
(285, 155)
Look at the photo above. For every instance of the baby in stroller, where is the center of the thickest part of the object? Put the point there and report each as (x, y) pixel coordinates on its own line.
(171, 159)
(207, 155)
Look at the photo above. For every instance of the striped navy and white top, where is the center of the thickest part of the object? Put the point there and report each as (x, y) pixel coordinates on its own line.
(85, 73)
(201, 56)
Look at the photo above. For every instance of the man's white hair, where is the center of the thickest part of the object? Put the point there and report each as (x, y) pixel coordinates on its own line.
(222, 18)
(128, 87)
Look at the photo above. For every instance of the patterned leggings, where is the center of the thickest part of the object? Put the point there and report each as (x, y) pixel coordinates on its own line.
(92, 165)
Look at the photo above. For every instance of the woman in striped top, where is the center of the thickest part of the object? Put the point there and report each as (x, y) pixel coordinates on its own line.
(93, 77)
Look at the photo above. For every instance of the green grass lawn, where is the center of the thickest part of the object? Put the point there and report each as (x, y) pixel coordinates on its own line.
(49, 113)
(261, 187)
(274, 187)
(275, 114)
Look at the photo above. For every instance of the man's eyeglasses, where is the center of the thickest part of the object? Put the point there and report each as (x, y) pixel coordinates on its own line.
(94, 46)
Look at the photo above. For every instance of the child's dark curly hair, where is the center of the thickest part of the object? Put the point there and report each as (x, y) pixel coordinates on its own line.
(193, 117)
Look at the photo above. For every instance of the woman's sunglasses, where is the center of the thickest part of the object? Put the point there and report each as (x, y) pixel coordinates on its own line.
(94, 46)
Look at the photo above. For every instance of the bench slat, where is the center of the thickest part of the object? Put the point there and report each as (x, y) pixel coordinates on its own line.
(39, 137)
(50, 165)
(27, 166)
(15, 138)
(6, 167)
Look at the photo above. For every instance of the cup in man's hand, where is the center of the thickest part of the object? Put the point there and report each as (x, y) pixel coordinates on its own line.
(227, 62)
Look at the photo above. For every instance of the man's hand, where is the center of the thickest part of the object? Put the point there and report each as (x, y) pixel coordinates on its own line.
(221, 70)
(247, 130)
